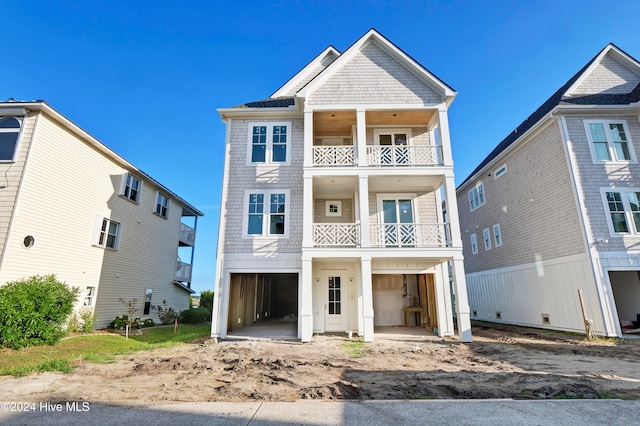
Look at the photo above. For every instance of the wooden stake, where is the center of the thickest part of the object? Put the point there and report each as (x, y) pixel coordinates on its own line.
(175, 326)
(587, 322)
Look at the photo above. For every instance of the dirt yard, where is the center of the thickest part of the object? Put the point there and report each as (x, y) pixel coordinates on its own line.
(500, 363)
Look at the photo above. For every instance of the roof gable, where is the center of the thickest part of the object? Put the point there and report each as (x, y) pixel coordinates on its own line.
(391, 77)
(612, 73)
(306, 74)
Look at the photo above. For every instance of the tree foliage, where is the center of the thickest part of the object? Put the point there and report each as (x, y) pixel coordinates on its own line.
(206, 300)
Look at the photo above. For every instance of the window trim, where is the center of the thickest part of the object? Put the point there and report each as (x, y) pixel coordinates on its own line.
(158, 204)
(610, 143)
(628, 213)
(268, 160)
(266, 222)
(89, 299)
(123, 188)
(474, 243)
(391, 131)
(100, 221)
(486, 237)
(20, 121)
(328, 211)
(497, 236)
(482, 197)
(500, 171)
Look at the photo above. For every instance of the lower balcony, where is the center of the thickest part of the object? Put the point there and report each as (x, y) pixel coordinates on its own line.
(183, 271)
(386, 235)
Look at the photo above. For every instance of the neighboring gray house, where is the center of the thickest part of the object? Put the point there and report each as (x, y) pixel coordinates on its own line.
(71, 206)
(555, 207)
(331, 201)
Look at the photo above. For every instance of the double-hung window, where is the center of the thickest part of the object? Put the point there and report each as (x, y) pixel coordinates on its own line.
(162, 205)
(623, 207)
(609, 140)
(269, 143)
(88, 299)
(486, 235)
(476, 196)
(474, 244)
(108, 234)
(267, 213)
(132, 188)
(9, 133)
(497, 235)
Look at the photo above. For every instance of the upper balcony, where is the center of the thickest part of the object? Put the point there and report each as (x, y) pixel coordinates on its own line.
(187, 236)
(403, 138)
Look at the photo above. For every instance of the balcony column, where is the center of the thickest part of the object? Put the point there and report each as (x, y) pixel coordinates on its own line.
(367, 299)
(305, 321)
(462, 302)
(361, 133)
(451, 205)
(307, 213)
(445, 138)
(363, 203)
(308, 138)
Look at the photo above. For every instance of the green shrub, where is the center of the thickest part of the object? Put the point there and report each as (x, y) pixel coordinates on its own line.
(148, 322)
(166, 314)
(89, 320)
(33, 311)
(120, 323)
(74, 324)
(195, 316)
(206, 300)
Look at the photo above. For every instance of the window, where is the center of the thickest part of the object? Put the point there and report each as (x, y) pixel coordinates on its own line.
(394, 145)
(9, 132)
(497, 236)
(623, 207)
(474, 244)
(333, 208)
(476, 196)
(162, 205)
(609, 141)
(88, 299)
(132, 188)
(147, 301)
(109, 234)
(268, 143)
(487, 238)
(500, 171)
(267, 213)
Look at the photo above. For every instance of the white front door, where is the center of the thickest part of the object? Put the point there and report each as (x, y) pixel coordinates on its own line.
(336, 315)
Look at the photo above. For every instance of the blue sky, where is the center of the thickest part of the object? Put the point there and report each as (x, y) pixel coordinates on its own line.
(146, 77)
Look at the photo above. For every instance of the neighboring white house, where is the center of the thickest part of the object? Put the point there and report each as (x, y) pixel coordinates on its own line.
(332, 200)
(555, 208)
(72, 207)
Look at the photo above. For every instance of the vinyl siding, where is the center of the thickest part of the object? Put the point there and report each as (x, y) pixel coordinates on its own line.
(533, 203)
(68, 185)
(362, 79)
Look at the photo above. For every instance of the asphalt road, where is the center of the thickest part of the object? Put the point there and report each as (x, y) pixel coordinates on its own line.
(436, 412)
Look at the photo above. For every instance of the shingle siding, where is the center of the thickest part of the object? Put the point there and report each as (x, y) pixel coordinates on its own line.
(608, 77)
(373, 76)
(533, 203)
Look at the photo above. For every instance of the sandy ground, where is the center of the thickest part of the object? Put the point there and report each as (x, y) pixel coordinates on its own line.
(504, 362)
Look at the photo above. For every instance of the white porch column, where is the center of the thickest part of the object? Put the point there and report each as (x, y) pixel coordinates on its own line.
(307, 212)
(452, 212)
(445, 138)
(443, 301)
(367, 299)
(308, 138)
(361, 132)
(305, 291)
(462, 302)
(363, 203)
(220, 302)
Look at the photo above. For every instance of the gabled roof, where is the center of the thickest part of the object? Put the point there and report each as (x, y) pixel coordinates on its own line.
(560, 97)
(313, 68)
(374, 36)
(45, 108)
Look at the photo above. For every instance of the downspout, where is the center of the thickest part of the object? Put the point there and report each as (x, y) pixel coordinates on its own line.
(604, 307)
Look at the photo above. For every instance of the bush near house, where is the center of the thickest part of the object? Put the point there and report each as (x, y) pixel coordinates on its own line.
(33, 311)
(206, 300)
(195, 316)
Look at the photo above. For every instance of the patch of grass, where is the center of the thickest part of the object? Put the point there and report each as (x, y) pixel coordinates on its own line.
(356, 348)
(98, 348)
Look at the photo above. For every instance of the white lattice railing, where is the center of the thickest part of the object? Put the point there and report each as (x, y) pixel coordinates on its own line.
(336, 234)
(403, 155)
(409, 234)
(334, 155)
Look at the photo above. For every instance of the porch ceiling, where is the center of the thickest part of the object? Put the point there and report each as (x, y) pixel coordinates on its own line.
(333, 123)
(339, 123)
(404, 183)
(334, 187)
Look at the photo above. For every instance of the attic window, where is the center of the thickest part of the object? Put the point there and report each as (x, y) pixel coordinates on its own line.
(500, 171)
(9, 132)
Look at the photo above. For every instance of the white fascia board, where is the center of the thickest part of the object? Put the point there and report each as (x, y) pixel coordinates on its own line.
(622, 57)
(287, 112)
(374, 107)
(601, 109)
(45, 109)
(390, 48)
(304, 72)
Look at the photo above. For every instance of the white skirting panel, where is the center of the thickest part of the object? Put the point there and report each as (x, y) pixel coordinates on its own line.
(523, 293)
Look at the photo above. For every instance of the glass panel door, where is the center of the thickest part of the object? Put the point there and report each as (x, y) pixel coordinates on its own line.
(399, 229)
(335, 296)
